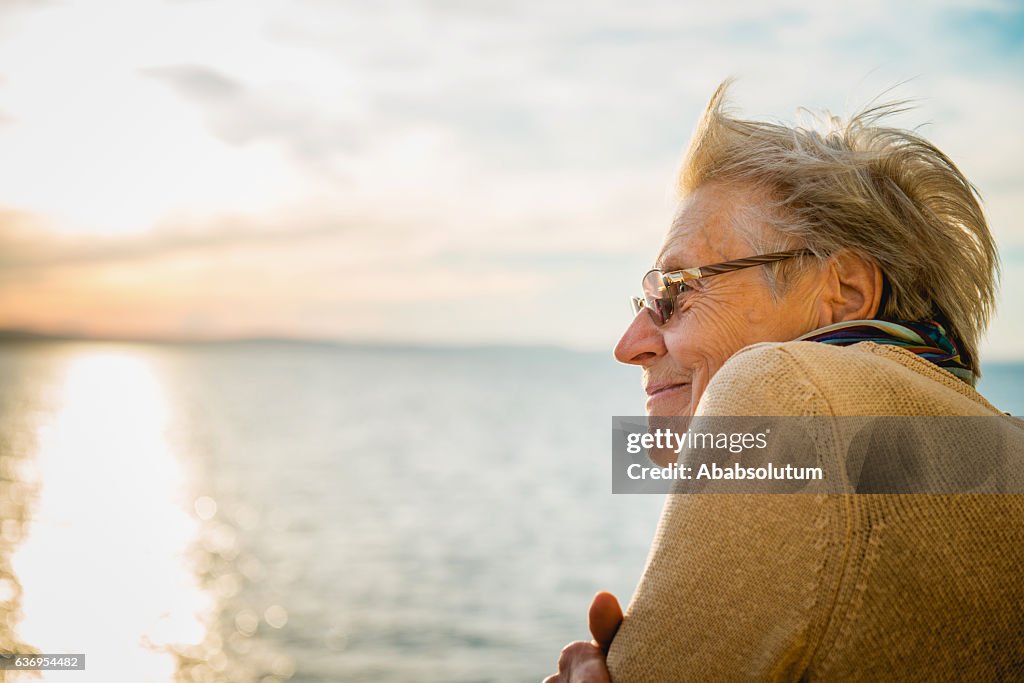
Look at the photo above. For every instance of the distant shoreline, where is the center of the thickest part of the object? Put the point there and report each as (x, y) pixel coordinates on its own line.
(15, 336)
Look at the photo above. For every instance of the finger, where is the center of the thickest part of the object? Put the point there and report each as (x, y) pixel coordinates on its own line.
(582, 662)
(573, 653)
(605, 617)
(553, 678)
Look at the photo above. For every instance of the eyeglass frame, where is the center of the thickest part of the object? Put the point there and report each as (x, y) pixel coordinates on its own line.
(675, 280)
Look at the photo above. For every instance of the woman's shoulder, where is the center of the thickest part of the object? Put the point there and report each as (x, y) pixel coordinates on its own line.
(811, 378)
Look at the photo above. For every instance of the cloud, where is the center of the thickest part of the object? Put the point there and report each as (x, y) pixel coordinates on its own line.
(11, 10)
(239, 115)
(19, 5)
(26, 244)
(203, 83)
(524, 147)
(543, 87)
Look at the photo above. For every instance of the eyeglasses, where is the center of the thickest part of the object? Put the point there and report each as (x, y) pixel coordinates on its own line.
(662, 289)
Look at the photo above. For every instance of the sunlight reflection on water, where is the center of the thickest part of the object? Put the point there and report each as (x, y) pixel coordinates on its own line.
(109, 542)
(103, 565)
(280, 506)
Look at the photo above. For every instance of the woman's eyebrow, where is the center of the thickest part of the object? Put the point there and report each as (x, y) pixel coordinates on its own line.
(667, 264)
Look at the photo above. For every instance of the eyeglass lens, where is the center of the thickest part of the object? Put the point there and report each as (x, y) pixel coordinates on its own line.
(659, 299)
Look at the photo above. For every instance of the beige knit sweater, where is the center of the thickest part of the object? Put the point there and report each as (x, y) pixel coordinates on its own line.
(838, 587)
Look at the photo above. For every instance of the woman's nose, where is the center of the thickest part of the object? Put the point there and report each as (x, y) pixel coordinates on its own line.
(642, 341)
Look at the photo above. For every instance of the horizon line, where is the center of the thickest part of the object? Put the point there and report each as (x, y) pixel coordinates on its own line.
(17, 334)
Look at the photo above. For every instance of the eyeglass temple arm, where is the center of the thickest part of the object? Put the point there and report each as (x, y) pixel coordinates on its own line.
(687, 274)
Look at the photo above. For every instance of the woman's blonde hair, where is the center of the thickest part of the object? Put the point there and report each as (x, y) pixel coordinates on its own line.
(886, 193)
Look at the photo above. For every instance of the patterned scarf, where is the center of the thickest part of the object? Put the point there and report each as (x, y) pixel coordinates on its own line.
(926, 338)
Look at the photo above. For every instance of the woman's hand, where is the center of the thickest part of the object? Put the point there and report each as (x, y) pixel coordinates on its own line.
(582, 662)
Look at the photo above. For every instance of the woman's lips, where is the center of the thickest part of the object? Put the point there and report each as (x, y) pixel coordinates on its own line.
(657, 393)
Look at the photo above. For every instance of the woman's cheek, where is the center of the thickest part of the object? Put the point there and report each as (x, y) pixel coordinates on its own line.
(718, 333)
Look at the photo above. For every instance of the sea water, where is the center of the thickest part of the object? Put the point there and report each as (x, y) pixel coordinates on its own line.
(274, 511)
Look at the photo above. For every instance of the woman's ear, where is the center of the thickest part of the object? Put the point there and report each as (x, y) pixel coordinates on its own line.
(852, 288)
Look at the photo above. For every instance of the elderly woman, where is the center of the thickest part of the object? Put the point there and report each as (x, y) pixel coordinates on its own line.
(846, 273)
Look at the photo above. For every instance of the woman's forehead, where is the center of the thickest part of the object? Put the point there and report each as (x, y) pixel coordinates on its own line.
(700, 244)
(705, 229)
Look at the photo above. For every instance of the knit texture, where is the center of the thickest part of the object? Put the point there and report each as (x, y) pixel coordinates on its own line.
(830, 587)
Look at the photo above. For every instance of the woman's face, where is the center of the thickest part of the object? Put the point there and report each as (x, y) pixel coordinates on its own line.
(724, 314)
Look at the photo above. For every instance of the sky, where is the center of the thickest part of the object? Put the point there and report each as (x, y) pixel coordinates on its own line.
(446, 172)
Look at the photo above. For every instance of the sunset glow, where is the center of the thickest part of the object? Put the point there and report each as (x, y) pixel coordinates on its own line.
(226, 168)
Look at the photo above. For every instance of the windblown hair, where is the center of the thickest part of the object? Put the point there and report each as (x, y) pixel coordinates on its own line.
(886, 193)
